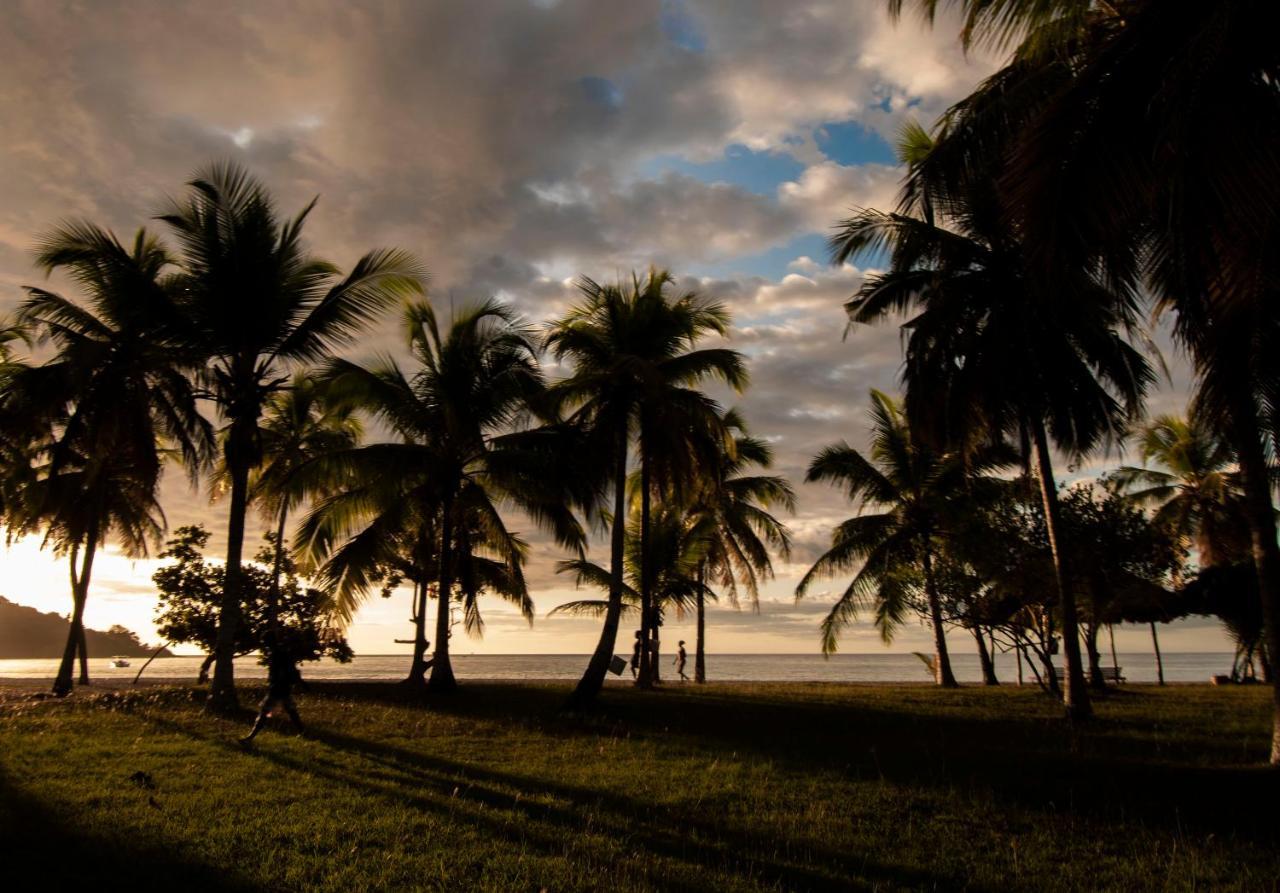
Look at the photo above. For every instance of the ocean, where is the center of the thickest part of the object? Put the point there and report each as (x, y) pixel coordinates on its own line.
(1136, 667)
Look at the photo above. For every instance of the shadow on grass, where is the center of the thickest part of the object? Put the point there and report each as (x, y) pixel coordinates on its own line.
(1025, 757)
(506, 804)
(42, 852)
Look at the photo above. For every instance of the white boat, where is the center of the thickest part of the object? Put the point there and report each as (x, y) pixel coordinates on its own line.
(119, 661)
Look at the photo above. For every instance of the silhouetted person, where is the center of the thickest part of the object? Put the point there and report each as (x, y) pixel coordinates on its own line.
(635, 656)
(681, 659)
(282, 676)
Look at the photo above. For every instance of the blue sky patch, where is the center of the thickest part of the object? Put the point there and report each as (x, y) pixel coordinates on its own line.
(758, 172)
(681, 27)
(848, 142)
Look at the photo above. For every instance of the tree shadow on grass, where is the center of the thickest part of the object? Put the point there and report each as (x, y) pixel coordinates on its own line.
(42, 851)
(1020, 754)
(503, 803)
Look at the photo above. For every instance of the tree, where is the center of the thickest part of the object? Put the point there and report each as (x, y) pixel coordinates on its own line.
(254, 302)
(190, 591)
(1126, 563)
(919, 491)
(298, 425)
(96, 414)
(989, 353)
(1194, 491)
(736, 504)
(676, 553)
(1125, 161)
(462, 456)
(636, 366)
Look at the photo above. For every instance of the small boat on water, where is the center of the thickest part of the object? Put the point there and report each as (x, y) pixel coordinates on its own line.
(119, 661)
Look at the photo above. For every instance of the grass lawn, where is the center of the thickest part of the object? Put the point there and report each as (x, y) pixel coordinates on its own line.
(733, 787)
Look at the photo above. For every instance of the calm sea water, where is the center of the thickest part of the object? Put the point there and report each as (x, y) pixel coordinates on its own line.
(1137, 667)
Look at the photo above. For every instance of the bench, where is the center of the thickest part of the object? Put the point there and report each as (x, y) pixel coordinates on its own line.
(1109, 674)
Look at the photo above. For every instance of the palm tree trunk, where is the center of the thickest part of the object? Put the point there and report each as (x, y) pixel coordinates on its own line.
(647, 634)
(1155, 641)
(941, 661)
(1017, 653)
(593, 679)
(62, 683)
(418, 668)
(700, 647)
(222, 696)
(273, 601)
(203, 675)
(143, 668)
(988, 667)
(1074, 696)
(1262, 533)
(1096, 680)
(82, 651)
(442, 678)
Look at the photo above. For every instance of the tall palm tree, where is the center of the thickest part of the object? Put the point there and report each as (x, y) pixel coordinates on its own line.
(1125, 160)
(1195, 488)
(989, 352)
(101, 409)
(254, 303)
(463, 454)
(636, 365)
(736, 503)
(920, 492)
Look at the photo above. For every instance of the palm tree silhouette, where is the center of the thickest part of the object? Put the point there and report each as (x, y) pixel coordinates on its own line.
(298, 426)
(1195, 490)
(254, 303)
(736, 503)
(635, 370)
(920, 492)
(113, 393)
(1117, 155)
(989, 353)
(463, 455)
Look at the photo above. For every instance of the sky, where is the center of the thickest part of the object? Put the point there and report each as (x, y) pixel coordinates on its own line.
(513, 145)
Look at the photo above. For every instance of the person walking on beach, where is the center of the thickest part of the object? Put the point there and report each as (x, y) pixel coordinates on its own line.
(635, 656)
(282, 676)
(681, 659)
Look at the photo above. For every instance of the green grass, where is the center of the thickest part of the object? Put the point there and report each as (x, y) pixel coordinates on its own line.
(760, 787)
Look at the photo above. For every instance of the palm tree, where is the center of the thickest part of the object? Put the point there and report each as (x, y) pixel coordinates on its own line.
(1195, 490)
(1123, 159)
(636, 367)
(676, 555)
(298, 425)
(991, 353)
(736, 504)
(463, 454)
(255, 302)
(921, 492)
(101, 408)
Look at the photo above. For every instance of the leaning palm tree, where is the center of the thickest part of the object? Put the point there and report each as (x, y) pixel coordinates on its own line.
(463, 455)
(1117, 155)
(636, 365)
(101, 408)
(737, 505)
(991, 353)
(920, 493)
(255, 302)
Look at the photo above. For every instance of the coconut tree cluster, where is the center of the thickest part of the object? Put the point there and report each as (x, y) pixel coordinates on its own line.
(223, 347)
(1095, 177)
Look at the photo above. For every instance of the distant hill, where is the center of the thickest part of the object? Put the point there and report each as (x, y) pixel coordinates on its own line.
(28, 633)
